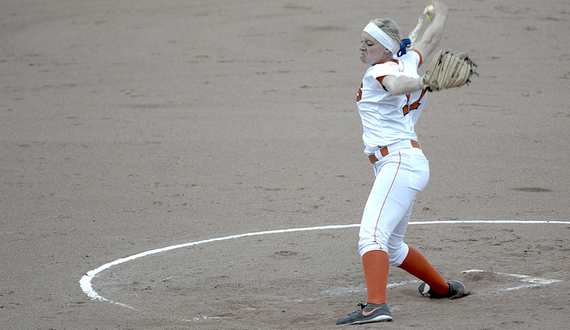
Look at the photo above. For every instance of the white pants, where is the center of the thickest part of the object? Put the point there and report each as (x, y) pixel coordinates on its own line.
(400, 177)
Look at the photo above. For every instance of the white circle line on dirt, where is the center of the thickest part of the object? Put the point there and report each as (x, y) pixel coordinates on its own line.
(87, 286)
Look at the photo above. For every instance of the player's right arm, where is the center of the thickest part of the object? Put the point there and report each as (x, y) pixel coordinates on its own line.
(434, 32)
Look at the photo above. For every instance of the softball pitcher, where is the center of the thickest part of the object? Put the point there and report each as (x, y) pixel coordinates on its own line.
(390, 100)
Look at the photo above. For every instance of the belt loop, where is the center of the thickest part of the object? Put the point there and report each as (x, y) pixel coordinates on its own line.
(384, 150)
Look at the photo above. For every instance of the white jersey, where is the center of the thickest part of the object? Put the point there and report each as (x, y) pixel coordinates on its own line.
(388, 118)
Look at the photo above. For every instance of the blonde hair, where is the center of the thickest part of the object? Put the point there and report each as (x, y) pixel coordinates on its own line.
(393, 31)
(390, 27)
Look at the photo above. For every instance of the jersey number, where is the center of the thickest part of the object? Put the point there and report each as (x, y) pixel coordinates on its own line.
(406, 109)
(409, 107)
(359, 94)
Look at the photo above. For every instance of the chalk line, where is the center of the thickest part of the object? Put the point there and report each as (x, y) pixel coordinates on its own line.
(535, 281)
(87, 287)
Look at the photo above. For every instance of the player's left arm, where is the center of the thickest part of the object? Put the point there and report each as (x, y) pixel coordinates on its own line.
(402, 85)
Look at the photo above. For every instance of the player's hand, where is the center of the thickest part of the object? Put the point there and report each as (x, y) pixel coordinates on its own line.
(439, 9)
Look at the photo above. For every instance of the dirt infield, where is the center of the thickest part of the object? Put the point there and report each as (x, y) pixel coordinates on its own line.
(134, 126)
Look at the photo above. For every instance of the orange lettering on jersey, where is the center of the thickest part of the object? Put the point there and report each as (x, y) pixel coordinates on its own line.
(409, 107)
(359, 94)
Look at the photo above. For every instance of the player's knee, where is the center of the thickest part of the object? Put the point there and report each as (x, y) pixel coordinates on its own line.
(398, 255)
(370, 244)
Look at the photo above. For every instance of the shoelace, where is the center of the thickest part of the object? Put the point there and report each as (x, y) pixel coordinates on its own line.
(362, 306)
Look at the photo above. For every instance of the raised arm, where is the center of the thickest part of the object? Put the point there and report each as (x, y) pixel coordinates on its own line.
(434, 32)
(430, 40)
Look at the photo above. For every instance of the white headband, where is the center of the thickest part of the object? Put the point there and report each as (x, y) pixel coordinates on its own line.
(381, 36)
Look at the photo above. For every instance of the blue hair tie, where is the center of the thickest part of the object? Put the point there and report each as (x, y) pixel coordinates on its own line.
(403, 44)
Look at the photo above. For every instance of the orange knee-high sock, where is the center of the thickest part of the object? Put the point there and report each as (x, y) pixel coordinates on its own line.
(376, 266)
(417, 265)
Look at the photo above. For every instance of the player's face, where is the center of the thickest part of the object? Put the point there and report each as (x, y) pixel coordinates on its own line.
(371, 51)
